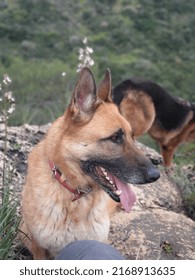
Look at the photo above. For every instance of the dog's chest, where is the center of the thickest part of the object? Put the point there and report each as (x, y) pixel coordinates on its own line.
(63, 228)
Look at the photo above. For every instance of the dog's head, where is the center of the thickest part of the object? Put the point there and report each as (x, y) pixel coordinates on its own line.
(101, 141)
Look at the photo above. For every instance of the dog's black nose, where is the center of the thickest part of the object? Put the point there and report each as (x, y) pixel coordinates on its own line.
(152, 174)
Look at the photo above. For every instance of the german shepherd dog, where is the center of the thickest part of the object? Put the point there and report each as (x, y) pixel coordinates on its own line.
(80, 170)
(150, 109)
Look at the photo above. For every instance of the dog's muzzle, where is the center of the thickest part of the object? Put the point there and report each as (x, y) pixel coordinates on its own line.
(113, 186)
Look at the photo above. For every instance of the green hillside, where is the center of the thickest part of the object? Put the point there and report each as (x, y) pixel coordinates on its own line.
(40, 39)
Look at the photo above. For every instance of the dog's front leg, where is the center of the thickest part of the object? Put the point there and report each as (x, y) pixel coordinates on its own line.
(38, 252)
(167, 152)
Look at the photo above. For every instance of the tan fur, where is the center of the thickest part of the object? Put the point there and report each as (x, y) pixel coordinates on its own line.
(50, 218)
(42, 193)
(187, 133)
(139, 111)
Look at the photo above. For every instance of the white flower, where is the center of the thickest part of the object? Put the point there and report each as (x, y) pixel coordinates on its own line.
(91, 62)
(9, 96)
(81, 51)
(89, 50)
(81, 57)
(84, 56)
(11, 109)
(6, 79)
(63, 74)
(85, 40)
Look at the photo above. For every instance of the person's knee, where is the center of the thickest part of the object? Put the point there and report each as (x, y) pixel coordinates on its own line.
(89, 250)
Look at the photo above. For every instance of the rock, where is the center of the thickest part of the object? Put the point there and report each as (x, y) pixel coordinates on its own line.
(20, 142)
(156, 228)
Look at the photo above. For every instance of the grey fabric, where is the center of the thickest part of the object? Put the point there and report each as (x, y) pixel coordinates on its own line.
(89, 250)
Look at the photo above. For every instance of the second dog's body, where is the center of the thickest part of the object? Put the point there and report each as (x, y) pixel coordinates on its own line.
(150, 109)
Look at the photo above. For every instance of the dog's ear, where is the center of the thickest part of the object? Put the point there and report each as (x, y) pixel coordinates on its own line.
(83, 103)
(105, 88)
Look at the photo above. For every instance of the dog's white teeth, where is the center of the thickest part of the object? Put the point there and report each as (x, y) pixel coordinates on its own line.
(118, 192)
(104, 171)
(106, 176)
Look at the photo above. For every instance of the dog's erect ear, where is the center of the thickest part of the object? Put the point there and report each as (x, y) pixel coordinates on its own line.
(83, 103)
(104, 89)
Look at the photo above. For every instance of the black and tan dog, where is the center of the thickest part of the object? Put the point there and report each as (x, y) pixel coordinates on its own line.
(150, 109)
(81, 168)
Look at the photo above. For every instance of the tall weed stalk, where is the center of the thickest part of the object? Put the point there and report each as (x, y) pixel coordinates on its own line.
(9, 220)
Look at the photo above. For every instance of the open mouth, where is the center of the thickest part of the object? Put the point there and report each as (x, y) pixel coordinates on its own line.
(114, 187)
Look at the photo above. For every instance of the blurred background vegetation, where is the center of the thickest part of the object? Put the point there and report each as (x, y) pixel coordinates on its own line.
(39, 40)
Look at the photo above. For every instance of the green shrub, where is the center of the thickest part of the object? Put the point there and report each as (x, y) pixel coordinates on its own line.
(189, 204)
(9, 222)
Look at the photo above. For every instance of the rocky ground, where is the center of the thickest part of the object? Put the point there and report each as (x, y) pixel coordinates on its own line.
(156, 228)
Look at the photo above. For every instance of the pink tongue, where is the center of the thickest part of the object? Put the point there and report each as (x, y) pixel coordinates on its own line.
(127, 197)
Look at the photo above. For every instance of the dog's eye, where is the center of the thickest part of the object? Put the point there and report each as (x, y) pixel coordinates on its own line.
(117, 137)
